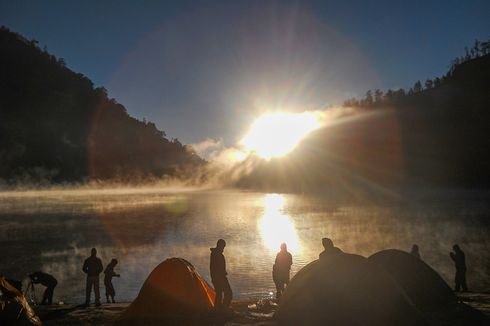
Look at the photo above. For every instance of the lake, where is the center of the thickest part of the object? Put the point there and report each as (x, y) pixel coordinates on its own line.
(53, 231)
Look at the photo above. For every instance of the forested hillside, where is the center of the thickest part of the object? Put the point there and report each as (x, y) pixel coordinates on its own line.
(55, 126)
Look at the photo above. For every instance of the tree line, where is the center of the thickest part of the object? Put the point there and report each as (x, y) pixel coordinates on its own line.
(378, 98)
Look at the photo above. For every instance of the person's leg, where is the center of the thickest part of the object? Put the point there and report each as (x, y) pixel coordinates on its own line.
(113, 292)
(49, 294)
(88, 289)
(281, 288)
(106, 291)
(227, 293)
(457, 281)
(463, 281)
(45, 296)
(219, 294)
(97, 290)
(278, 290)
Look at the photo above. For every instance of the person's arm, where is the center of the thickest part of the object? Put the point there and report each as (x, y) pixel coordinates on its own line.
(101, 268)
(224, 266)
(290, 260)
(451, 254)
(85, 267)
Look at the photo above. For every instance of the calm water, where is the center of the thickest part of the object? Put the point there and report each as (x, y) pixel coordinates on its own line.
(54, 231)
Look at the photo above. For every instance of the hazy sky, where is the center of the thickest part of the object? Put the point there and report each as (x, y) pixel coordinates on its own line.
(206, 68)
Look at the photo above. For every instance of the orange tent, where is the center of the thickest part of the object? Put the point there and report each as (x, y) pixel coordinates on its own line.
(173, 293)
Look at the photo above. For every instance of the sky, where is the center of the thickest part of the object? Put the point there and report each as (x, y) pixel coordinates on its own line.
(207, 69)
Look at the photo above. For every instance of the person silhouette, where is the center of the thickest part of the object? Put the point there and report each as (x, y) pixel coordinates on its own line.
(460, 263)
(329, 249)
(415, 251)
(109, 273)
(92, 266)
(48, 281)
(280, 270)
(217, 267)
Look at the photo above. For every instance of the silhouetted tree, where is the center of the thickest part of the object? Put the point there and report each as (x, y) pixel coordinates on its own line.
(437, 82)
(378, 96)
(368, 99)
(429, 84)
(417, 87)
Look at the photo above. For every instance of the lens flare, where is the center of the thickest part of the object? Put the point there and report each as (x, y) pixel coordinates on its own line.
(276, 134)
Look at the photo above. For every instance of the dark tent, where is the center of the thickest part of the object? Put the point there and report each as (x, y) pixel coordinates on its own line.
(14, 308)
(174, 293)
(426, 289)
(421, 283)
(345, 289)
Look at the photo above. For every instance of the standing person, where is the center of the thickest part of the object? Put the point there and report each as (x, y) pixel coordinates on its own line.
(329, 249)
(415, 251)
(109, 273)
(92, 267)
(460, 263)
(48, 281)
(220, 282)
(280, 270)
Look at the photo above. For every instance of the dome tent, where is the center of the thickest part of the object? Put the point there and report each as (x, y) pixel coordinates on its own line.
(345, 290)
(421, 283)
(14, 308)
(174, 293)
(426, 289)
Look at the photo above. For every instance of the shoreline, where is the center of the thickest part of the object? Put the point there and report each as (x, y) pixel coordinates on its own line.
(108, 314)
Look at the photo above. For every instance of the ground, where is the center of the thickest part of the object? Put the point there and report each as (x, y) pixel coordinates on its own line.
(107, 314)
(246, 312)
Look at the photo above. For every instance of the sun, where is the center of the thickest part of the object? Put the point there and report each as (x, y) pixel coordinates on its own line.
(276, 134)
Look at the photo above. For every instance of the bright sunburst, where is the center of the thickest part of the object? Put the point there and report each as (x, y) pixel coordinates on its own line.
(276, 134)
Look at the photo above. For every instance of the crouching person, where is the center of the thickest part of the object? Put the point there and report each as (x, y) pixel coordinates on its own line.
(46, 280)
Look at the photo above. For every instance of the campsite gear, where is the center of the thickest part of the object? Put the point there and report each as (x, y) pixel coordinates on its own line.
(14, 308)
(173, 294)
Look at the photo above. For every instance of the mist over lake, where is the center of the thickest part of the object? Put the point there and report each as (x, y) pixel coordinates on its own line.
(53, 231)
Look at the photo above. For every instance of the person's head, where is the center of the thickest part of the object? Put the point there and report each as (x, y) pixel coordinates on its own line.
(327, 243)
(415, 248)
(284, 247)
(221, 244)
(456, 248)
(93, 252)
(114, 262)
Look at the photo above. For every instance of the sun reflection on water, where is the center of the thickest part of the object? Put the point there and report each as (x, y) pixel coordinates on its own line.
(276, 226)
